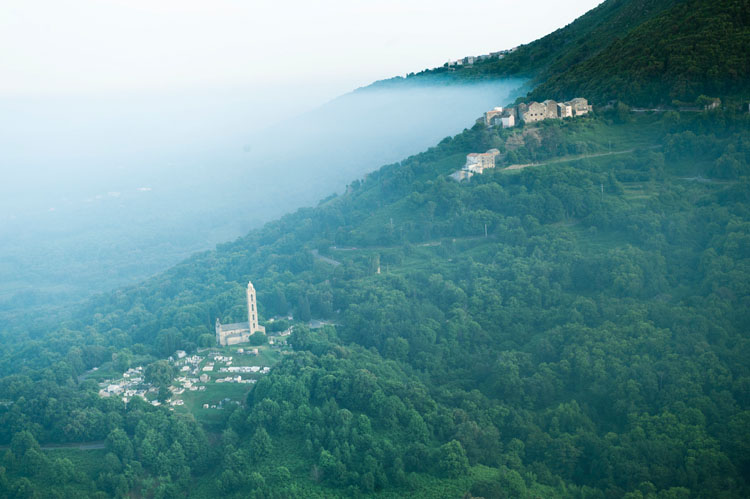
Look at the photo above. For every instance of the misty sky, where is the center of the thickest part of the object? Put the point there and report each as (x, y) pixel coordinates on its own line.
(327, 46)
(134, 132)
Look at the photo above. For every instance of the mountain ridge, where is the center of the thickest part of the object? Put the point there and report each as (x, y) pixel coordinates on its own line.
(617, 51)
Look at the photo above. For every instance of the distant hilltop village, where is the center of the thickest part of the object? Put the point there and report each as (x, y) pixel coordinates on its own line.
(537, 111)
(240, 332)
(532, 112)
(467, 61)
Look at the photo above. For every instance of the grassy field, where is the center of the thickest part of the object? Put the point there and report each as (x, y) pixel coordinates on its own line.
(213, 395)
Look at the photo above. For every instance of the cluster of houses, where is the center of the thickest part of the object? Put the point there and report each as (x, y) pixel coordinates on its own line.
(193, 376)
(130, 385)
(245, 369)
(236, 379)
(532, 112)
(467, 61)
(536, 111)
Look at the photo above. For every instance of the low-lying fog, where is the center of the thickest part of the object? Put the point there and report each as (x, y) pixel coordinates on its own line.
(97, 192)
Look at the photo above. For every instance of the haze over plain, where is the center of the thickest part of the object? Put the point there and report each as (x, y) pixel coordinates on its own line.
(134, 133)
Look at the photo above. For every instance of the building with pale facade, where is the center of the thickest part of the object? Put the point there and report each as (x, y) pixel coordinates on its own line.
(580, 106)
(476, 163)
(564, 110)
(489, 116)
(508, 121)
(240, 332)
(550, 109)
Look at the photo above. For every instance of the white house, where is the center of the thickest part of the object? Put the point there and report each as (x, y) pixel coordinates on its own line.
(508, 121)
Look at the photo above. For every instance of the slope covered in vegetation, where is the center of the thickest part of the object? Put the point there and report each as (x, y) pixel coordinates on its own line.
(642, 52)
(695, 48)
(591, 344)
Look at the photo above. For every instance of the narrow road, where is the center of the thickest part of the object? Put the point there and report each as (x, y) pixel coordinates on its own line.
(421, 245)
(99, 444)
(575, 158)
(316, 254)
(79, 446)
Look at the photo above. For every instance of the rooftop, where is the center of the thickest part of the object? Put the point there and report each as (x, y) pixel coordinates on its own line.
(235, 326)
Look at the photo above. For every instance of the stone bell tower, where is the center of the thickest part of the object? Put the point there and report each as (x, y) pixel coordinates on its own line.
(252, 309)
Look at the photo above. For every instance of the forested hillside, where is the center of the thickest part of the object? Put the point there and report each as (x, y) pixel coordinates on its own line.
(695, 48)
(572, 323)
(591, 343)
(642, 52)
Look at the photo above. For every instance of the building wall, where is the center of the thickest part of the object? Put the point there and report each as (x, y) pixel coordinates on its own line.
(580, 106)
(236, 339)
(252, 311)
(508, 121)
(564, 110)
(533, 112)
(550, 109)
(472, 160)
(489, 115)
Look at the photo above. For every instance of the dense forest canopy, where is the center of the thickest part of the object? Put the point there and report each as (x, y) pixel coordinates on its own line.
(642, 52)
(601, 322)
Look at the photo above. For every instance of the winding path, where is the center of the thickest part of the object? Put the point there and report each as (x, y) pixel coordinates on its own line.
(95, 445)
(576, 158)
(316, 254)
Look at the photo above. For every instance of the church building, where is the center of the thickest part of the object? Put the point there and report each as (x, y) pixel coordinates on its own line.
(240, 332)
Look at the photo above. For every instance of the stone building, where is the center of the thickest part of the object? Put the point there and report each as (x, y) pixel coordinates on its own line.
(550, 108)
(564, 110)
(532, 112)
(580, 106)
(502, 117)
(489, 116)
(477, 162)
(240, 332)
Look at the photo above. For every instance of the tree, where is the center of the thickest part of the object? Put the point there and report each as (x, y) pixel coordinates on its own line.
(452, 461)
(303, 308)
(159, 373)
(206, 340)
(122, 360)
(118, 443)
(163, 394)
(258, 338)
(22, 442)
(260, 445)
(23, 489)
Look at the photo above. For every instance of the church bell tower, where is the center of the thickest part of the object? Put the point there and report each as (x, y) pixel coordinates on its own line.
(252, 309)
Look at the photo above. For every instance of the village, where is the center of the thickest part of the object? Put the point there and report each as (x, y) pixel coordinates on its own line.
(193, 373)
(531, 112)
(536, 111)
(469, 60)
(212, 377)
